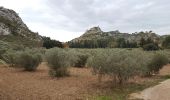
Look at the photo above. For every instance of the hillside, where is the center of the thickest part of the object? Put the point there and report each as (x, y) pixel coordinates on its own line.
(14, 31)
(97, 37)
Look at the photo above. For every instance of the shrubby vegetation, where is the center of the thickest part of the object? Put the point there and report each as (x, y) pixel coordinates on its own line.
(81, 60)
(27, 60)
(3, 48)
(150, 47)
(123, 64)
(149, 44)
(120, 64)
(9, 57)
(2, 62)
(157, 62)
(166, 42)
(58, 60)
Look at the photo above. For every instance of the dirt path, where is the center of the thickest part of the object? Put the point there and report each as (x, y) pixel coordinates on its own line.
(19, 85)
(158, 92)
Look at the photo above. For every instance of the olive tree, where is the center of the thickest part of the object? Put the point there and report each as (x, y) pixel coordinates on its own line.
(157, 62)
(119, 64)
(58, 61)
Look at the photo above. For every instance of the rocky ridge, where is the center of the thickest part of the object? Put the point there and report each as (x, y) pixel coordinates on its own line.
(11, 25)
(96, 33)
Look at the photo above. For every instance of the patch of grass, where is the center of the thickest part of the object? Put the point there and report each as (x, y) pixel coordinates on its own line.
(166, 77)
(122, 93)
(103, 98)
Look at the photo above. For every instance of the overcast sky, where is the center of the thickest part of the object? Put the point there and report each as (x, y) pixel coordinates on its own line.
(66, 19)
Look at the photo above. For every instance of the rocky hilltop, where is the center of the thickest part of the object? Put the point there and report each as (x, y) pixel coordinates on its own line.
(14, 30)
(96, 33)
(95, 36)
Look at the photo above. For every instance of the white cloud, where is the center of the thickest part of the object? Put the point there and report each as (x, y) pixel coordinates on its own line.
(143, 6)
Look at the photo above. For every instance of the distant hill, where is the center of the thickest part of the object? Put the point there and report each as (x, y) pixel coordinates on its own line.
(14, 31)
(95, 37)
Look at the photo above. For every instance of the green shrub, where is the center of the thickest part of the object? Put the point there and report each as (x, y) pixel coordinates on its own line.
(9, 57)
(150, 47)
(81, 61)
(157, 62)
(2, 51)
(58, 60)
(27, 60)
(2, 62)
(121, 65)
(3, 48)
(166, 42)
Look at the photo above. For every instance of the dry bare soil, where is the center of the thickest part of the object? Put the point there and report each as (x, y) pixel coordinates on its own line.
(16, 84)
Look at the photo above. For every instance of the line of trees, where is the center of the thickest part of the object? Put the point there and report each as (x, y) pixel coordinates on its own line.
(122, 43)
(147, 44)
(49, 43)
(94, 43)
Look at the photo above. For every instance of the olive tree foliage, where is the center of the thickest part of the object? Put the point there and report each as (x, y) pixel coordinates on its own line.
(3, 48)
(167, 54)
(28, 59)
(119, 64)
(59, 60)
(157, 62)
(9, 57)
(166, 42)
(80, 57)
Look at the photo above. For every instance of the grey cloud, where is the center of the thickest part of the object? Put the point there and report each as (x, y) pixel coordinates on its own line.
(124, 15)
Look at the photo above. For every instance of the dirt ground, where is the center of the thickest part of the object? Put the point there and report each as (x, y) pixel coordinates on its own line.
(18, 85)
(158, 92)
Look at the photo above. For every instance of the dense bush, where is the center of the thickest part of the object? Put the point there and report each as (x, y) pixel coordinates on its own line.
(3, 48)
(59, 60)
(9, 57)
(166, 42)
(167, 53)
(121, 64)
(2, 62)
(81, 60)
(2, 51)
(157, 62)
(27, 60)
(150, 47)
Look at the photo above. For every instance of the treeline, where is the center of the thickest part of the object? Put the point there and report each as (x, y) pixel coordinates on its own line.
(146, 44)
(49, 43)
(108, 43)
(122, 43)
(95, 43)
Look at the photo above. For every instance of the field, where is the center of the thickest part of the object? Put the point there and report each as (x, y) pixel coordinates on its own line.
(80, 85)
(79, 74)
